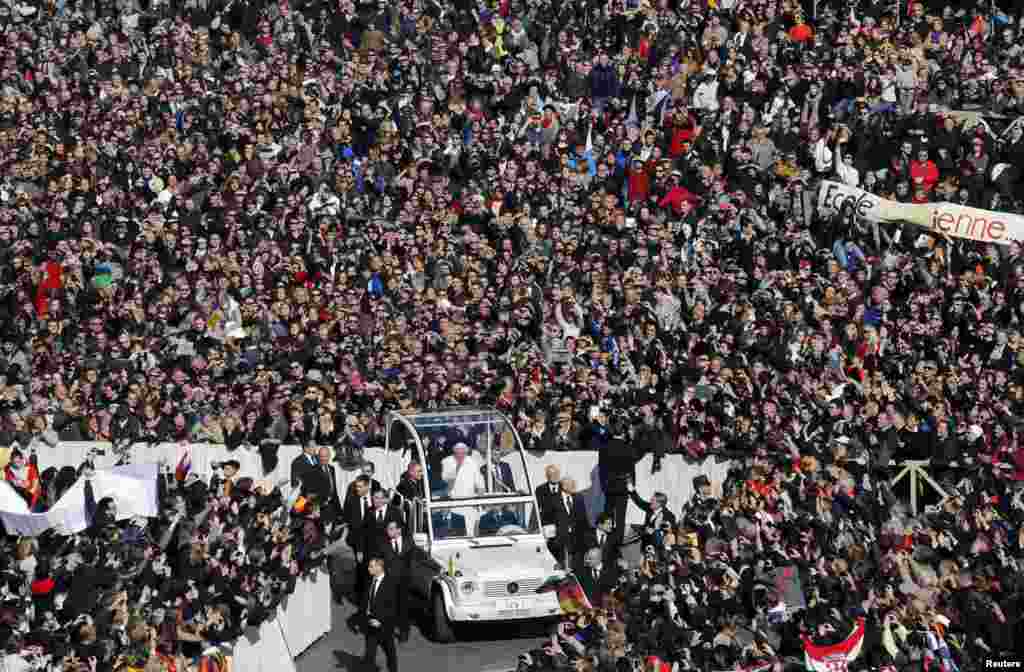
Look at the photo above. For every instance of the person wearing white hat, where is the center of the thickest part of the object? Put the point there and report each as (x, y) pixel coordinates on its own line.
(464, 478)
(461, 472)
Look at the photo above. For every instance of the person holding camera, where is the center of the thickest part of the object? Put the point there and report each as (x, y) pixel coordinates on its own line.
(702, 499)
(223, 480)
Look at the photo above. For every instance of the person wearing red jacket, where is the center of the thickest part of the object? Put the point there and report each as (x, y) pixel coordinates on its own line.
(644, 48)
(677, 195)
(923, 172)
(684, 129)
(639, 182)
(51, 281)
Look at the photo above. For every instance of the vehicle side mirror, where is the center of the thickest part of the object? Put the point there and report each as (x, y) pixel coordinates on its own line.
(550, 532)
(420, 539)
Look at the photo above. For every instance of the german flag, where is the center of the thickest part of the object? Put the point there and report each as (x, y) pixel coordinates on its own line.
(571, 597)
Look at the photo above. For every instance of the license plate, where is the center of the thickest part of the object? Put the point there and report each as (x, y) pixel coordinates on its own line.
(517, 604)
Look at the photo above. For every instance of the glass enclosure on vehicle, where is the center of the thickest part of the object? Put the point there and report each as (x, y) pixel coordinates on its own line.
(468, 454)
(479, 550)
(449, 520)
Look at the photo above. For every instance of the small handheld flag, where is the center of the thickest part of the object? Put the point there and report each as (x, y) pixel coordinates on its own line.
(184, 466)
(571, 596)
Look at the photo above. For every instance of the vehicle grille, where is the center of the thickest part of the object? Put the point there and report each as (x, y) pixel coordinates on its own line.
(500, 588)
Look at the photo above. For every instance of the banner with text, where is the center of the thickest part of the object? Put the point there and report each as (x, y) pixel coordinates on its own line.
(942, 219)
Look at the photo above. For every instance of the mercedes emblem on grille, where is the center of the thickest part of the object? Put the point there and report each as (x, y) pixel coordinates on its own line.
(513, 588)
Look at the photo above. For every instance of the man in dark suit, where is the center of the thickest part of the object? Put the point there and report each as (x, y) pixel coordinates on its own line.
(396, 549)
(369, 469)
(599, 536)
(496, 518)
(411, 486)
(570, 522)
(658, 516)
(354, 514)
(448, 525)
(380, 613)
(356, 511)
(303, 464)
(376, 522)
(321, 482)
(596, 578)
(501, 476)
(616, 464)
(549, 494)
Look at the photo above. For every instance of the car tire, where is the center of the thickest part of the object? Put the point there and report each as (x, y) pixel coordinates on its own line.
(443, 631)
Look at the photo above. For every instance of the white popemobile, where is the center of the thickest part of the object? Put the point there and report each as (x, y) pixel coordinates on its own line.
(480, 551)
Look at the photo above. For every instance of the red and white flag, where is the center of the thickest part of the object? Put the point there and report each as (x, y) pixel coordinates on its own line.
(836, 657)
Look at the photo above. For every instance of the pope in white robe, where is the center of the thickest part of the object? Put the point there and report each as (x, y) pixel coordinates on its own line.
(461, 471)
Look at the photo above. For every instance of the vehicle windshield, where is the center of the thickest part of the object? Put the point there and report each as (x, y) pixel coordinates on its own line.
(459, 521)
(471, 455)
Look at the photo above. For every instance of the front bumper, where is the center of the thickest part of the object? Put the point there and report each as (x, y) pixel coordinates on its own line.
(524, 607)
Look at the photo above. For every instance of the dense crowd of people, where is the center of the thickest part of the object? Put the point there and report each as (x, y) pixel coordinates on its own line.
(298, 218)
(812, 555)
(245, 222)
(164, 594)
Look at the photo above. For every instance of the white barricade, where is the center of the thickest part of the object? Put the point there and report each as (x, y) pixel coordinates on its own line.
(302, 618)
(305, 615)
(675, 478)
(389, 467)
(134, 488)
(263, 649)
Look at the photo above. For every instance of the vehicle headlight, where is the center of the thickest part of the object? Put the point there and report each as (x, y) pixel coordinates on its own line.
(467, 587)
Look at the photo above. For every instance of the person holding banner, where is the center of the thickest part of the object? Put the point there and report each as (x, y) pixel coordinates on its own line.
(943, 219)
